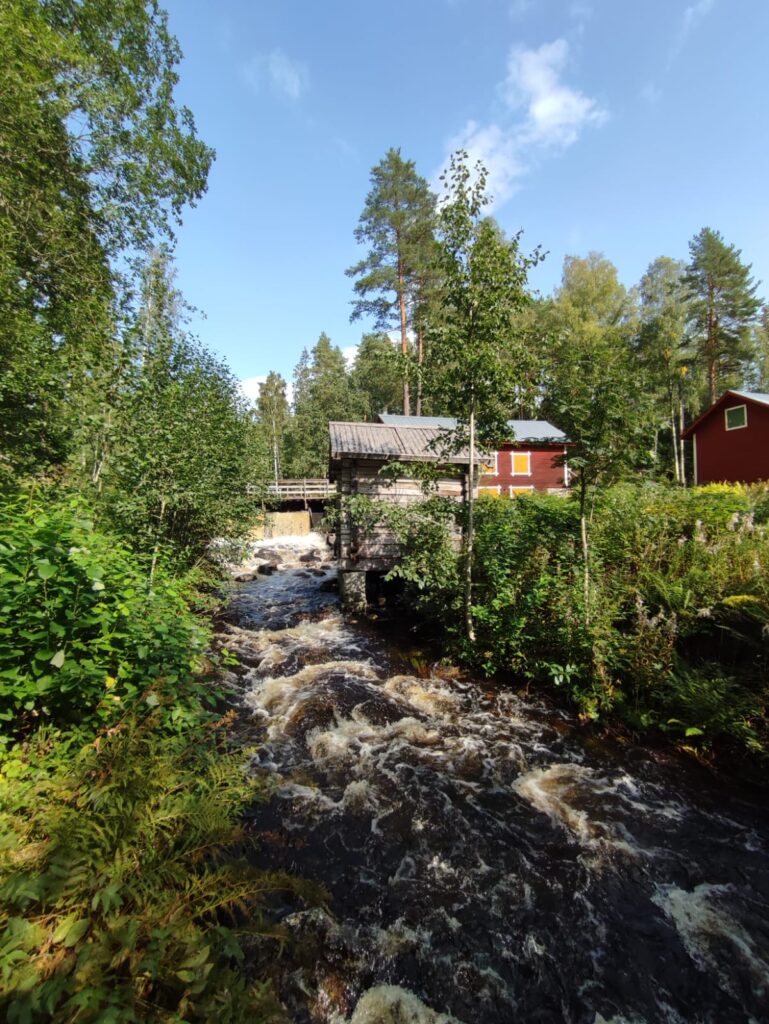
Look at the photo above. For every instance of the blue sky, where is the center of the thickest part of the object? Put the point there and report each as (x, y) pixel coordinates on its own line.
(622, 126)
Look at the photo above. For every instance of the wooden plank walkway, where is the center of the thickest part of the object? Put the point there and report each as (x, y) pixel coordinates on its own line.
(301, 490)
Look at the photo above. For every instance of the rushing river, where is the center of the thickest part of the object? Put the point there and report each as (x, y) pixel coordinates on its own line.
(487, 862)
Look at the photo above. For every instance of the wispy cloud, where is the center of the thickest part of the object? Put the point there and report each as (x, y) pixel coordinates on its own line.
(541, 114)
(283, 75)
(690, 20)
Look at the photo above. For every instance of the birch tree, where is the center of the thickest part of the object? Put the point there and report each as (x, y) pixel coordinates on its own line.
(470, 368)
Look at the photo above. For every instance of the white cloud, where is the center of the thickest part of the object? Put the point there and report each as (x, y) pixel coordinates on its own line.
(284, 76)
(350, 352)
(690, 20)
(497, 151)
(541, 113)
(556, 113)
(250, 387)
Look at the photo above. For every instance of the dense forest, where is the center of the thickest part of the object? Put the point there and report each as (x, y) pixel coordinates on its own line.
(127, 450)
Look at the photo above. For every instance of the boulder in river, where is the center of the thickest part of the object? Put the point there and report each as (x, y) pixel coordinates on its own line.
(267, 569)
(245, 577)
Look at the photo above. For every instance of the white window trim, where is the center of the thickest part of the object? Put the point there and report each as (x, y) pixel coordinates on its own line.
(492, 461)
(732, 408)
(566, 472)
(513, 453)
(512, 488)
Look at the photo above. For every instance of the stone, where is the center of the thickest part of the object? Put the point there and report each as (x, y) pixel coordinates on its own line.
(245, 577)
(352, 587)
(267, 569)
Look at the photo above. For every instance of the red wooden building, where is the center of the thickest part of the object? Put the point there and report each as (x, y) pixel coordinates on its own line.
(731, 439)
(534, 461)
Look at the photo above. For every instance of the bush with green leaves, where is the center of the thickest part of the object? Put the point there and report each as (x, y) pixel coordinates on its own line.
(82, 632)
(126, 885)
(675, 634)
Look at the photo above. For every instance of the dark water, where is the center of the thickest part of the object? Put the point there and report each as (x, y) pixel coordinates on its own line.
(484, 860)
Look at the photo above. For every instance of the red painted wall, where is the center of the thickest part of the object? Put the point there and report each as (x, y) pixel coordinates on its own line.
(733, 456)
(545, 471)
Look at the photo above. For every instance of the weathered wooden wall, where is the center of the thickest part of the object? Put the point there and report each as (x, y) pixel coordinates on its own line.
(378, 550)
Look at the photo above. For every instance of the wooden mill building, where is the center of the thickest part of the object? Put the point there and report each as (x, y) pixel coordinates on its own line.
(359, 451)
(534, 459)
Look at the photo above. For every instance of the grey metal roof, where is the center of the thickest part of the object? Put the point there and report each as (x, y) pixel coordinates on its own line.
(401, 442)
(756, 396)
(523, 430)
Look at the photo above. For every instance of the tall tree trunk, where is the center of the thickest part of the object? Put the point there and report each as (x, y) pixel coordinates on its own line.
(469, 536)
(674, 437)
(712, 345)
(404, 336)
(681, 441)
(275, 450)
(585, 549)
(420, 360)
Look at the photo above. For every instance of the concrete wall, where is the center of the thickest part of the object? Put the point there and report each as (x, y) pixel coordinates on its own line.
(284, 524)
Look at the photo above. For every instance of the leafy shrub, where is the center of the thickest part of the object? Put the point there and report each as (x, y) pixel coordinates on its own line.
(124, 890)
(82, 633)
(675, 635)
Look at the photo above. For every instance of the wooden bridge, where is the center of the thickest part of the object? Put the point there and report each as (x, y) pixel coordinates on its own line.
(298, 490)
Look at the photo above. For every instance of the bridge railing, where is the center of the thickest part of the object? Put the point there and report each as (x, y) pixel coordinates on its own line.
(297, 489)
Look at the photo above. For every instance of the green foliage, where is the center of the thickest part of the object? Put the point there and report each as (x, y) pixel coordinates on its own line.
(377, 375)
(175, 461)
(96, 160)
(83, 634)
(126, 884)
(677, 635)
(322, 392)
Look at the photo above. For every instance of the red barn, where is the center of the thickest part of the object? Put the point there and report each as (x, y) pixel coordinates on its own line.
(534, 461)
(731, 439)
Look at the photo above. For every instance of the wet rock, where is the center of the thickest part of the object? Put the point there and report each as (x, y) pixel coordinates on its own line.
(267, 569)
(311, 556)
(245, 577)
(329, 586)
(316, 572)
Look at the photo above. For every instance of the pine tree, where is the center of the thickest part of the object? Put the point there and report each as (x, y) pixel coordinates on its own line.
(397, 225)
(723, 309)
